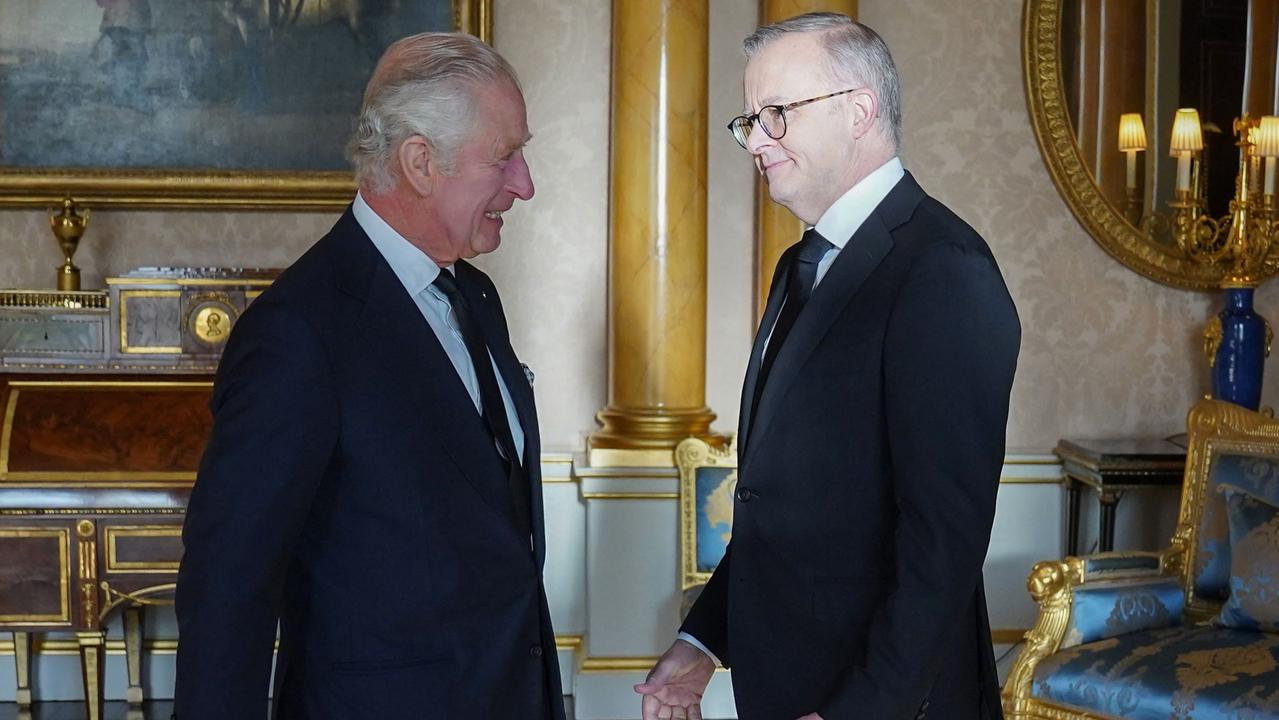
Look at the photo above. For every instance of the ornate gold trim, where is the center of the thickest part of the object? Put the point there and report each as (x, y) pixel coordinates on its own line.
(1045, 96)
(142, 596)
(63, 536)
(630, 496)
(49, 647)
(67, 300)
(117, 531)
(569, 642)
(207, 189)
(164, 282)
(1008, 636)
(616, 664)
(690, 455)
(88, 546)
(125, 347)
(6, 432)
(1032, 480)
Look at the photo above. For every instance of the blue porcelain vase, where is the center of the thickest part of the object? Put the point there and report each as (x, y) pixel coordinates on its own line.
(1242, 342)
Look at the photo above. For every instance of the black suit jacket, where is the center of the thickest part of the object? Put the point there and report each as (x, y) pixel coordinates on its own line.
(866, 492)
(351, 491)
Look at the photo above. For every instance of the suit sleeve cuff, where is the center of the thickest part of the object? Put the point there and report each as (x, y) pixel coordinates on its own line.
(698, 644)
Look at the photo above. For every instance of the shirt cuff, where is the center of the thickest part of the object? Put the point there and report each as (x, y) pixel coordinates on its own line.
(698, 644)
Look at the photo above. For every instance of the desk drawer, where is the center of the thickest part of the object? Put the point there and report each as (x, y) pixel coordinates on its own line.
(35, 575)
(143, 549)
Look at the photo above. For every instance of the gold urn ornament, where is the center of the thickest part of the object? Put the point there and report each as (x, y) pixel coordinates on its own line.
(68, 227)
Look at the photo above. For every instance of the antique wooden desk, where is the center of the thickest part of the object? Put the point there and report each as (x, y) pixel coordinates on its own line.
(104, 396)
(1112, 467)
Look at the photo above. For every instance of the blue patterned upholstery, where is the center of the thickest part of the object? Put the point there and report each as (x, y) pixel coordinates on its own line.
(1107, 609)
(1254, 562)
(1258, 475)
(1199, 673)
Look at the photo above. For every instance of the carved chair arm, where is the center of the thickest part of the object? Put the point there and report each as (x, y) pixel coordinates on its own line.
(1089, 598)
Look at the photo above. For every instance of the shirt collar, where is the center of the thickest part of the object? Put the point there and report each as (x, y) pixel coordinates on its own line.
(413, 267)
(847, 214)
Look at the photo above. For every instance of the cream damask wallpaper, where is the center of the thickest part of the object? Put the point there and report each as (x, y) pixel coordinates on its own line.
(1104, 351)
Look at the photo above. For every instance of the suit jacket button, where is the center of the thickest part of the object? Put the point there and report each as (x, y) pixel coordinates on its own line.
(745, 494)
(535, 651)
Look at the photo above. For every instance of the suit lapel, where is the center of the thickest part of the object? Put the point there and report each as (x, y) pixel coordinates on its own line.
(776, 292)
(867, 248)
(395, 332)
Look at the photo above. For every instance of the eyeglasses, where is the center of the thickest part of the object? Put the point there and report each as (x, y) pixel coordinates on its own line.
(772, 118)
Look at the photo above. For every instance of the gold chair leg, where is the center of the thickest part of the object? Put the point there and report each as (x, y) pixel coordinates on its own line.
(133, 653)
(22, 664)
(92, 661)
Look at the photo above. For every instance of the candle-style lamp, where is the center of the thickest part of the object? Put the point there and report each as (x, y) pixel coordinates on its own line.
(1187, 139)
(1132, 140)
(1265, 141)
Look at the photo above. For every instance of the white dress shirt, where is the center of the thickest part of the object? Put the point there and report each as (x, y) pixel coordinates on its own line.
(846, 215)
(417, 272)
(838, 224)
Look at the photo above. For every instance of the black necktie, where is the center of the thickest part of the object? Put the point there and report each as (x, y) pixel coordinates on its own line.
(799, 285)
(492, 407)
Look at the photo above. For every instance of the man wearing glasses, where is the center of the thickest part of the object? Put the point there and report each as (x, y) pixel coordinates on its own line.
(871, 434)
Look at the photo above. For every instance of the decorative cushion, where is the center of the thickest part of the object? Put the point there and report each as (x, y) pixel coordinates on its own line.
(1200, 673)
(1257, 474)
(1108, 608)
(1254, 561)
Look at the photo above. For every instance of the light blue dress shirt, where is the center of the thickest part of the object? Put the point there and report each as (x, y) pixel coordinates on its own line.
(417, 272)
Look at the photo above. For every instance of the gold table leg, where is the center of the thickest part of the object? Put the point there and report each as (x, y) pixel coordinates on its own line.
(133, 652)
(22, 664)
(92, 657)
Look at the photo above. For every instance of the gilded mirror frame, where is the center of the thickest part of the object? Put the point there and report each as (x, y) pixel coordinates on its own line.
(194, 189)
(1046, 99)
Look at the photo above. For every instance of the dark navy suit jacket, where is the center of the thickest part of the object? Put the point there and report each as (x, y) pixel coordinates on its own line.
(351, 491)
(867, 479)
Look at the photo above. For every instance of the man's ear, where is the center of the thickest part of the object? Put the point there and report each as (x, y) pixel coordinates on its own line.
(865, 108)
(417, 165)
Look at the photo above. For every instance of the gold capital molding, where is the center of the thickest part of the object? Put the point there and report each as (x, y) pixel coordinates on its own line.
(775, 227)
(657, 233)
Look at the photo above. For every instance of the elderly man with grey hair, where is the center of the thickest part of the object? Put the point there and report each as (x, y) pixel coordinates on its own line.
(871, 434)
(371, 483)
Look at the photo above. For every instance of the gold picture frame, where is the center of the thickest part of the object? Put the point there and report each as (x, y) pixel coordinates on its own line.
(691, 456)
(28, 185)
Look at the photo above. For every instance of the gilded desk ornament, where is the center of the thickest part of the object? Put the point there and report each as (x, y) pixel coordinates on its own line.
(210, 319)
(68, 227)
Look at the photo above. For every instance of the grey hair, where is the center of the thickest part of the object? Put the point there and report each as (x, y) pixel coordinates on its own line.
(856, 53)
(424, 85)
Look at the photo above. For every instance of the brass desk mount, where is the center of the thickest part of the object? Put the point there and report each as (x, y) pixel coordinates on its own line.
(68, 227)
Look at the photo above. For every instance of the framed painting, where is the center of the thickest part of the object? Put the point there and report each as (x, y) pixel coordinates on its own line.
(194, 103)
(707, 482)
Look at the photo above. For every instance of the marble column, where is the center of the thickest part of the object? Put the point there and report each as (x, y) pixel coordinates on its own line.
(657, 234)
(776, 228)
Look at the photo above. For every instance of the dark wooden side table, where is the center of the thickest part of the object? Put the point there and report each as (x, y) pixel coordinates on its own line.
(1112, 467)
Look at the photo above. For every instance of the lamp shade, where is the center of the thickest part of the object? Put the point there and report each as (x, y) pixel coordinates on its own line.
(1187, 135)
(1132, 132)
(1266, 137)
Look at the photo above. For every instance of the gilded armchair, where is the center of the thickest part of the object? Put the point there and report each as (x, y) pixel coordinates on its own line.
(1144, 635)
